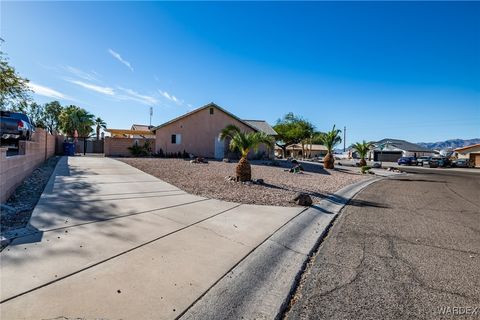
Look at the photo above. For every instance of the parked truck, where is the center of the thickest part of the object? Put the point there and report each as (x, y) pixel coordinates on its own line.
(15, 126)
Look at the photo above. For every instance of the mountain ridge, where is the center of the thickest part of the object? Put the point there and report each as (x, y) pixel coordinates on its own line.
(449, 144)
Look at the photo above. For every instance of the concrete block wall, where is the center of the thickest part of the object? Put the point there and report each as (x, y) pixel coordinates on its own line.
(118, 147)
(14, 169)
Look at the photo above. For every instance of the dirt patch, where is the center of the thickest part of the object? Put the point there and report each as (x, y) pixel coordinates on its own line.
(16, 212)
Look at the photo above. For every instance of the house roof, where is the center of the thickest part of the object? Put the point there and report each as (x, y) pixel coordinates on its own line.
(402, 145)
(210, 105)
(468, 147)
(262, 125)
(141, 127)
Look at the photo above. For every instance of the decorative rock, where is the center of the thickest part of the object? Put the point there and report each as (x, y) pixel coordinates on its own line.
(303, 199)
(259, 181)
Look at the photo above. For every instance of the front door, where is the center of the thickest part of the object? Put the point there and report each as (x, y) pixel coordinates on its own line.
(219, 148)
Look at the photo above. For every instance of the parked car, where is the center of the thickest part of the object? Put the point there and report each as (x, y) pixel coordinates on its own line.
(423, 161)
(439, 162)
(461, 163)
(408, 161)
(15, 126)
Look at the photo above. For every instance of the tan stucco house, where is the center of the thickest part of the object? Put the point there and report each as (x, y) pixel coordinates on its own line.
(198, 131)
(470, 152)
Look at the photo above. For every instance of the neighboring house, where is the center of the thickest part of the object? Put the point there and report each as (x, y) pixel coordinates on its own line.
(137, 131)
(470, 152)
(295, 151)
(394, 149)
(143, 128)
(198, 131)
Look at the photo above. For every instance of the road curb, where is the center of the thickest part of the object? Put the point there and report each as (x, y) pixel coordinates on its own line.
(261, 285)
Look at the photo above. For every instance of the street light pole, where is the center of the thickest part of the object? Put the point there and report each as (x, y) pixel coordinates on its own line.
(344, 137)
(151, 113)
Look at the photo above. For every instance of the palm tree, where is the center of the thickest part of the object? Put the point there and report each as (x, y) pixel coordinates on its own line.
(99, 123)
(75, 118)
(330, 139)
(244, 142)
(362, 148)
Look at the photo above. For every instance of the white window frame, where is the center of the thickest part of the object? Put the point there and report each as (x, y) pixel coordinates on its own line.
(178, 138)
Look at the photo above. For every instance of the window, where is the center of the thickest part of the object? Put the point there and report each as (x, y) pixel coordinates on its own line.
(176, 138)
(211, 110)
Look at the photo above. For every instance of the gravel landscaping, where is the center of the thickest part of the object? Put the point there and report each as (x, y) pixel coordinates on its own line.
(279, 188)
(16, 212)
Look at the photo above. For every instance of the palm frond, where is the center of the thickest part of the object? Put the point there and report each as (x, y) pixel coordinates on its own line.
(244, 142)
(362, 148)
(229, 131)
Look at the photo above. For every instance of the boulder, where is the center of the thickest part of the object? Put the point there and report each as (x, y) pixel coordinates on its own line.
(377, 165)
(303, 199)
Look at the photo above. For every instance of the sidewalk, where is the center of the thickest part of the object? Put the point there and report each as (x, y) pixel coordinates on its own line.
(109, 241)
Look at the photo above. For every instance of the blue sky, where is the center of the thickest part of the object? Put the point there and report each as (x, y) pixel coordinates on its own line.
(408, 70)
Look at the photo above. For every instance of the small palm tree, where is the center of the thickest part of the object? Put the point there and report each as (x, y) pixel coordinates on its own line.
(244, 142)
(362, 148)
(330, 139)
(99, 123)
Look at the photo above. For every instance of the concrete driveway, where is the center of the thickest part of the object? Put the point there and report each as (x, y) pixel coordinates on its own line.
(109, 241)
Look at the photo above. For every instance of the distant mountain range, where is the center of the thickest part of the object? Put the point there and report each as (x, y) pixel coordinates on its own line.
(449, 144)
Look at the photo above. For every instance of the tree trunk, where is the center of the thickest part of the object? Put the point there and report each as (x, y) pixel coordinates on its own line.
(328, 161)
(362, 162)
(98, 133)
(243, 170)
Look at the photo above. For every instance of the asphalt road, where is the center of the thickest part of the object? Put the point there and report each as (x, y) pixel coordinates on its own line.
(406, 248)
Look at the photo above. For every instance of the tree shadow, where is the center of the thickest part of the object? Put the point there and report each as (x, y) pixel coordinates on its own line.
(337, 199)
(286, 164)
(418, 180)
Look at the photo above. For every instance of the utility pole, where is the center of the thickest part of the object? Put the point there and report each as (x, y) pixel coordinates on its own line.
(344, 138)
(151, 113)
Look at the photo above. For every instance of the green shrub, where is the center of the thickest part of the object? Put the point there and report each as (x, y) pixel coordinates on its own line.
(141, 151)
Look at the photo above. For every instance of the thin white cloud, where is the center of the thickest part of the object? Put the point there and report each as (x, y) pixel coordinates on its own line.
(47, 92)
(117, 56)
(93, 87)
(82, 74)
(170, 97)
(135, 96)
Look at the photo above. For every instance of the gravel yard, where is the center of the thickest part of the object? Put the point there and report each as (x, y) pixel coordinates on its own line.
(279, 187)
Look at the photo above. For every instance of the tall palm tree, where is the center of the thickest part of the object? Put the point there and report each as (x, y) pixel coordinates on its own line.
(99, 123)
(330, 139)
(362, 148)
(244, 142)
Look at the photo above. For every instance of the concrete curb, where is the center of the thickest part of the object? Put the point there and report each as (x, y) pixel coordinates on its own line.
(261, 285)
